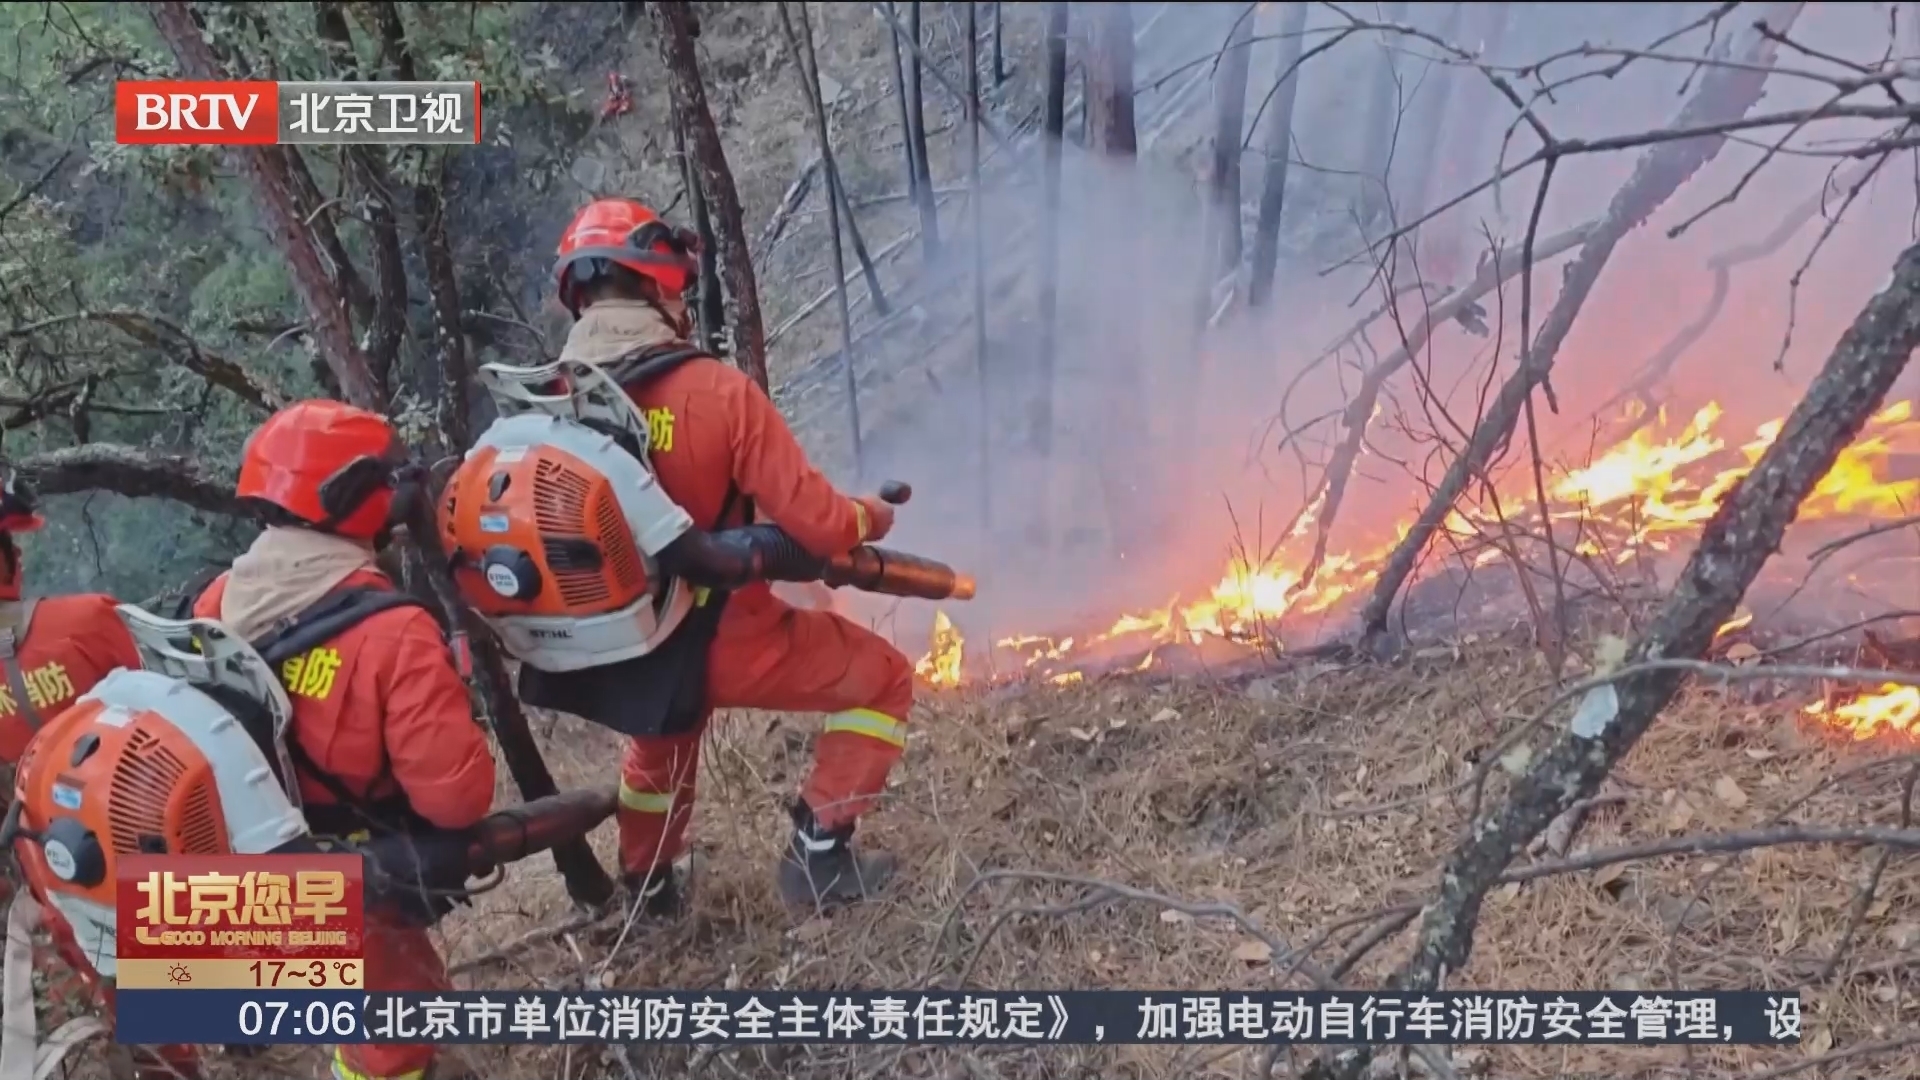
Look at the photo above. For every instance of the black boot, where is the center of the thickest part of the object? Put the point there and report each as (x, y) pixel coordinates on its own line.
(821, 868)
(660, 893)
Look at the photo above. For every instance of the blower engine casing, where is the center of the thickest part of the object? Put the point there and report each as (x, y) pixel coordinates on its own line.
(552, 526)
(149, 763)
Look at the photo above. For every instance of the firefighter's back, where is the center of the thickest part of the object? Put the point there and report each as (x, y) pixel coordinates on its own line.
(65, 646)
(380, 709)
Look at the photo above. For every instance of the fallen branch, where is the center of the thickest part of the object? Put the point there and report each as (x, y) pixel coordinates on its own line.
(790, 202)
(1736, 543)
(1905, 839)
(1724, 94)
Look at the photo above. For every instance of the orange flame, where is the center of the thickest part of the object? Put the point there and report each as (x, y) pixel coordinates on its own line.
(1636, 496)
(1894, 708)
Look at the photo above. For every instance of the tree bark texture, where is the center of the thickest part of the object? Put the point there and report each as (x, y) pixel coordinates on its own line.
(274, 191)
(1723, 94)
(917, 113)
(132, 472)
(1230, 121)
(709, 310)
(673, 35)
(1109, 67)
(1279, 143)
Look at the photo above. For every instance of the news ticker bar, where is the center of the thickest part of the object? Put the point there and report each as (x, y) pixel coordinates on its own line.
(1068, 1017)
(178, 113)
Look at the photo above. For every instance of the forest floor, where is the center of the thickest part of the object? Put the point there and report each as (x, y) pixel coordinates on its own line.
(1301, 794)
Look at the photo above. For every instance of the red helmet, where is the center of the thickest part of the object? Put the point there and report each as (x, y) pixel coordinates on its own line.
(622, 232)
(326, 463)
(18, 513)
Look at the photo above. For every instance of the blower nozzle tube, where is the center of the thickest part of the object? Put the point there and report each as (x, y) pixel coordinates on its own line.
(733, 557)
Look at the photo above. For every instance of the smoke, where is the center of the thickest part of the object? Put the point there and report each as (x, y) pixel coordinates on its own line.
(1164, 458)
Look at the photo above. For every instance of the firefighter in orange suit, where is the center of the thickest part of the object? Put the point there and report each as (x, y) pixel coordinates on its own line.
(53, 650)
(383, 734)
(724, 454)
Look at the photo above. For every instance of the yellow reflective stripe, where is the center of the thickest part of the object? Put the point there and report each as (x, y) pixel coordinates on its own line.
(342, 1071)
(646, 802)
(865, 522)
(701, 595)
(874, 725)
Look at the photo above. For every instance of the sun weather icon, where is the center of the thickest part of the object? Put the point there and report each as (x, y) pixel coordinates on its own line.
(178, 974)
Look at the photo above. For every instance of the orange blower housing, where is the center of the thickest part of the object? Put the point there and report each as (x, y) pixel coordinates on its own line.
(553, 523)
(149, 763)
(549, 532)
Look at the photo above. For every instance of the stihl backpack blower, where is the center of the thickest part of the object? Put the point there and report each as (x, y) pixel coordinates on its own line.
(560, 536)
(191, 756)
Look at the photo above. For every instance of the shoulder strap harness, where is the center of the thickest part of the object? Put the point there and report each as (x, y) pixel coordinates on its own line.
(643, 366)
(327, 618)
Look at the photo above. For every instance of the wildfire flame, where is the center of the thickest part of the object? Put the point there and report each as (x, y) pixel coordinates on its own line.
(1894, 708)
(941, 665)
(1650, 487)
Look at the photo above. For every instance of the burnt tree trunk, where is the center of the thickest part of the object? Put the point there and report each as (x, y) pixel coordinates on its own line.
(673, 23)
(917, 135)
(1109, 92)
(1723, 94)
(1273, 186)
(710, 313)
(1230, 121)
(1382, 120)
(868, 271)
(271, 179)
(800, 44)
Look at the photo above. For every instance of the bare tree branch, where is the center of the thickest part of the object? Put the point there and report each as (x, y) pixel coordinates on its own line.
(1724, 93)
(129, 471)
(1736, 543)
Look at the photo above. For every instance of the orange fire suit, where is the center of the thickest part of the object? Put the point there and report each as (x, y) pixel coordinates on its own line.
(718, 442)
(382, 710)
(70, 644)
